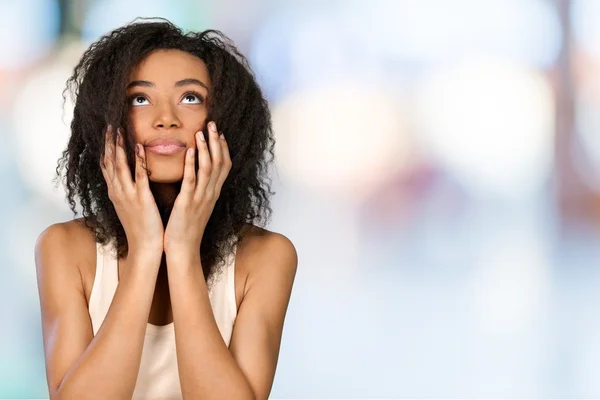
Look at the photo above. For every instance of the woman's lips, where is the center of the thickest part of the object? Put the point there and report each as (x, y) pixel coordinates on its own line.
(165, 146)
(165, 149)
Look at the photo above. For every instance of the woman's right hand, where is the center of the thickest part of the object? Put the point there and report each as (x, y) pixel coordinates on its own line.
(133, 201)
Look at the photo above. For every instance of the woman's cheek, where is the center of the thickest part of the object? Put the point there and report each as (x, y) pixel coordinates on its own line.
(140, 119)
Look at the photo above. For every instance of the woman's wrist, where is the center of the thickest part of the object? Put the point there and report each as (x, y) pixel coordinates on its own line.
(143, 262)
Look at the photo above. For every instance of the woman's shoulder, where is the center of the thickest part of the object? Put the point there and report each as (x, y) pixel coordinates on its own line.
(264, 260)
(71, 241)
(72, 235)
(261, 248)
(257, 237)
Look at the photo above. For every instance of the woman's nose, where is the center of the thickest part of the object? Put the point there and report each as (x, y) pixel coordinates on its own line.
(166, 117)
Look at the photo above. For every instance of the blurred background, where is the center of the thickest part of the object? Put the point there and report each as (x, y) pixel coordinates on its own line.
(438, 169)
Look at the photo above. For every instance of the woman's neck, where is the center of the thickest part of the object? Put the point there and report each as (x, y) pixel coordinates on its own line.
(165, 195)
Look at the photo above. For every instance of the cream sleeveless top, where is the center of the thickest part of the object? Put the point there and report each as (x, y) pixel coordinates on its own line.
(158, 377)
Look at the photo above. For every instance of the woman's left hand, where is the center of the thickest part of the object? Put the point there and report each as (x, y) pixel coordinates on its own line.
(196, 200)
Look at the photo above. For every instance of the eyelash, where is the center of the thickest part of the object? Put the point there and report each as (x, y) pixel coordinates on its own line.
(194, 94)
(200, 98)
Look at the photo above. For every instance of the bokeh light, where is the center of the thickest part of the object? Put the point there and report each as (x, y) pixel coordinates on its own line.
(269, 52)
(106, 15)
(301, 47)
(28, 29)
(585, 19)
(42, 128)
(588, 125)
(346, 138)
(439, 31)
(510, 284)
(491, 123)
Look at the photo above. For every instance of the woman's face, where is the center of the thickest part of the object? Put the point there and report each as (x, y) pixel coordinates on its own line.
(168, 92)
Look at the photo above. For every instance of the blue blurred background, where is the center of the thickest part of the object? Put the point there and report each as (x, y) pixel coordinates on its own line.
(438, 169)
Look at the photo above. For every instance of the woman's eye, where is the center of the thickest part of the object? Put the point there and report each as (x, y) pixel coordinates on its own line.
(191, 99)
(139, 101)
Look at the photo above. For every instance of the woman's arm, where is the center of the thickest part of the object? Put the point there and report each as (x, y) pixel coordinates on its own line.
(78, 364)
(245, 370)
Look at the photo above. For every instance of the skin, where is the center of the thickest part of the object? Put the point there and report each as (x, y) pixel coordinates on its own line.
(160, 109)
(79, 364)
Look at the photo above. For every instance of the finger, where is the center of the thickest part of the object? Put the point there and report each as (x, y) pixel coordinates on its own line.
(141, 172)
(107, 162)
(216, 154)
(121, 166)
(104, 172)
(226, 162)
(204, 165)
(189, 174)
(109, 185)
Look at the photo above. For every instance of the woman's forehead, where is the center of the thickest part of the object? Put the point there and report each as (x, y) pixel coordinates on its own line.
(165, 67)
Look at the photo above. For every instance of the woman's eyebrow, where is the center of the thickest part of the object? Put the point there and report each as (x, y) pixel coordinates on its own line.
(140, 83)
(183, 82)
(190, 81)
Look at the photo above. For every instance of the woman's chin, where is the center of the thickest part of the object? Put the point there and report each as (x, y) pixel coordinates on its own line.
(165, 169)
(166, 178)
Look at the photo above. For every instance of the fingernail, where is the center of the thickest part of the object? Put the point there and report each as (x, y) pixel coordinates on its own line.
(137, 149)
(201, 136)
(222, 136)
(190, 152)
(212, 126)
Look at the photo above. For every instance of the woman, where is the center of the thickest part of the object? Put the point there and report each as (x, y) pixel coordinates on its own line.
(164, 289)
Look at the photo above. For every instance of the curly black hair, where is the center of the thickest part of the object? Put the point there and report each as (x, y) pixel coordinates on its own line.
(235, 103)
